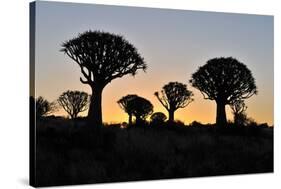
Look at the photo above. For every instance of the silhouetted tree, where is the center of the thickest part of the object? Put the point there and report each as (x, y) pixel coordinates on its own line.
(224, 80)
(174, 95)
(158, 117)
(102, 57)
(141, 108)
(74, 102)
(238, 108)
(126, 103)
(251, 122)
(44, 107)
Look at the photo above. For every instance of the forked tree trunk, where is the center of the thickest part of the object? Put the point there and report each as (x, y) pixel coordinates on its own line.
(221, 116)
(95, 109)
(171, 116)
(74, 115)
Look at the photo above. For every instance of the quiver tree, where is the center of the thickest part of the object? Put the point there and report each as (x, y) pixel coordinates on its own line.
(239, 108)
(141, 108)
(44, 107)
(74, 102)
(224, 80)
(102, 57)
(126, 103)
(174, 95)
(158, 117)
(136, 106)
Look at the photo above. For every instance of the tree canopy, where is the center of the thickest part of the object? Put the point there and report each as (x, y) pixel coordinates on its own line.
(224, 79)
(103, 56)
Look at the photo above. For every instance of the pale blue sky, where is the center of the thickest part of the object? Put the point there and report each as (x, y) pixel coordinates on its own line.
(173, 43)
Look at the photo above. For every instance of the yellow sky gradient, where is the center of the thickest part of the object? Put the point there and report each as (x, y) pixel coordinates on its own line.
(200, 110)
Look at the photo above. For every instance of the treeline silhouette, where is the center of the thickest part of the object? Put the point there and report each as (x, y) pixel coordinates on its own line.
(103, 57)
(150, 145)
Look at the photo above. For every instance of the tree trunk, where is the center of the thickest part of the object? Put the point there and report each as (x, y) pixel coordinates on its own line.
(72, 116)
(235, 119)
(130, 119)
(95, 109)
(171, 116)
(138, 121)
(221, 116)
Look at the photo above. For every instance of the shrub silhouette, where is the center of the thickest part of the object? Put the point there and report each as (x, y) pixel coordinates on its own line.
(238, 108)
(158, 117)
(126, 104)
(224, 80)
(251, 122)
(174, 95)
(102, 57)
(74, 102)
(44, 107)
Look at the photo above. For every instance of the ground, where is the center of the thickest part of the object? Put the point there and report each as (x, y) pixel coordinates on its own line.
(74, 152)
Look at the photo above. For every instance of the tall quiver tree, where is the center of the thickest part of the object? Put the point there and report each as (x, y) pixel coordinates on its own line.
(224, 80)
(174, 95)
(102, 57)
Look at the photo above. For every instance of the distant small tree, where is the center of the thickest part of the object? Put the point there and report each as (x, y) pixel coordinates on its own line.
(174, 95)
(126, 103)
(224, 80)
(239, 108)
(251, 122)
(102, 57)
(44, 107)
(74, 102)
(141, 108)
(158, 117)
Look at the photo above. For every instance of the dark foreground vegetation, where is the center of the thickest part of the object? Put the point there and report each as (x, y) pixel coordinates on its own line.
(72, 152)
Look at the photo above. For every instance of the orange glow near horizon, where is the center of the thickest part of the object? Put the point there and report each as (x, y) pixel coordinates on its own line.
(201, 110)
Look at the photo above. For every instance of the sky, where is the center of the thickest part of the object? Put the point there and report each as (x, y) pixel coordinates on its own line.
(174, 43)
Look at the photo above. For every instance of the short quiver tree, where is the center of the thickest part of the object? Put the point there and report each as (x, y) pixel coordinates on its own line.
(174, 95)
(102, 57)
(239, 108)
(224, 80)
(43, 107)
(141, 108)
(74, 102)
(127, 104)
